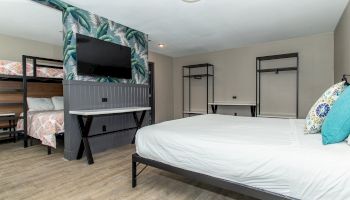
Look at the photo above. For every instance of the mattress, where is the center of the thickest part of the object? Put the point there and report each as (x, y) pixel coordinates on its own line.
(44, 125)
(266, 153)
(11, 68)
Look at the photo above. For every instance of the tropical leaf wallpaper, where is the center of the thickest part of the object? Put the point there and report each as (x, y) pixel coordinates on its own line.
(76, 20)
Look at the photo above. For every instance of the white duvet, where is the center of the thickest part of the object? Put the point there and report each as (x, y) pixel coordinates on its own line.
(270, 154)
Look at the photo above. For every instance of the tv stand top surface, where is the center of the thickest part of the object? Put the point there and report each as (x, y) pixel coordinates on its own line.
(107, 111)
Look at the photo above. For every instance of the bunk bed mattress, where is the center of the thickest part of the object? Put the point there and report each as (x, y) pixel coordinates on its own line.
(11, 68)
(44, 125)
(266, 153)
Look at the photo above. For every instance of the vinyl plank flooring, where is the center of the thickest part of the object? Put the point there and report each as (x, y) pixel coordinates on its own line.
(32, 174)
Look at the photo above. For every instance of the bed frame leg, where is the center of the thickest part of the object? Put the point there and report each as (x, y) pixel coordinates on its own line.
(133, 174)
(25, 141)
(48, 150)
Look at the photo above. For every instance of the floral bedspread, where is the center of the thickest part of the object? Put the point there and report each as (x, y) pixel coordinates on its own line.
(43, 125)
(15, 69)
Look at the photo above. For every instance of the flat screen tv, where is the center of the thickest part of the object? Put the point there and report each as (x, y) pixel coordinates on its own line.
(100, 58)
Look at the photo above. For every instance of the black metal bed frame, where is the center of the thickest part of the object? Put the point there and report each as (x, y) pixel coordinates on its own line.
(37, 63)
(217, 182)
(344, 78)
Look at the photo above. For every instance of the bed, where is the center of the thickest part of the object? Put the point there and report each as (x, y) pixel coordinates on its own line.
(12, 68)
(38, 72)
(44, 125)
(265, 158)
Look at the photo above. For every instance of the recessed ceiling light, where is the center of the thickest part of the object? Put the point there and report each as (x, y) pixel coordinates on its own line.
(190, 1)
(161, 45)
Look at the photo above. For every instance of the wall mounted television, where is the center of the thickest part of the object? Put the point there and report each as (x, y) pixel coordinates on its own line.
(100, 58)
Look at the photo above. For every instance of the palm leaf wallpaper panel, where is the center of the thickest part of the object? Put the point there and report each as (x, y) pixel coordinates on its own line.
(76, 20)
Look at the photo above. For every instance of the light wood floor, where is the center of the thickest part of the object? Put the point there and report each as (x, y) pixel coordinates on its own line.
(32, 174)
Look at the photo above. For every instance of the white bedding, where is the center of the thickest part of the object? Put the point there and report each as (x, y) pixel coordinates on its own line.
(271, 154)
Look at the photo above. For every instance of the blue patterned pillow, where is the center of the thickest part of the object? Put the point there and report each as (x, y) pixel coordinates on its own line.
(320, 109)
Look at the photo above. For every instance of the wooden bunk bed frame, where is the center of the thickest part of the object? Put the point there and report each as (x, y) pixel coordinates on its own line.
(37, 63)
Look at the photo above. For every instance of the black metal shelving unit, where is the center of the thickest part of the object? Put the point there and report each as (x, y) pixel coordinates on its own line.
(203, 71)
(10, 130)
(276, 70)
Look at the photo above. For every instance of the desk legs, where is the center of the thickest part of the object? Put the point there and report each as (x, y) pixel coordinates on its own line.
(84, 143)
(138, 123)
(252, 110)
(85, 129)
(214, 108)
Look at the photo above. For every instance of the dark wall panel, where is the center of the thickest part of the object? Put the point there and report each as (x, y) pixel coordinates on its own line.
(81, 95)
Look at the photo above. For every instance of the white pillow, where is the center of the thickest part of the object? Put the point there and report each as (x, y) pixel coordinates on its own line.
(39, 104)
(58, 102)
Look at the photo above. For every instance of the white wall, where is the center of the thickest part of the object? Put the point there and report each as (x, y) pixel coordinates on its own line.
(163, 86)
(342, 46)
(12, 48)
(235, 69)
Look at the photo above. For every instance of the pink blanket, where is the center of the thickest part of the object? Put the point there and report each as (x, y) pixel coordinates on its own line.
(43, 125)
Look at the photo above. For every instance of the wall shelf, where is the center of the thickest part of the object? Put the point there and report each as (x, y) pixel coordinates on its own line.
(197, 76)
(280, 56)
(195, 112)
(278, 69)
(199, 65)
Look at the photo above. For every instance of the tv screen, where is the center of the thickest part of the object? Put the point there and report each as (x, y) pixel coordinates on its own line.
(100, 58)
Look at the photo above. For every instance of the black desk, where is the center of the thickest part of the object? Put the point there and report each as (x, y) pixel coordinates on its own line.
(89, 114)
(214, 106)
(11, 118)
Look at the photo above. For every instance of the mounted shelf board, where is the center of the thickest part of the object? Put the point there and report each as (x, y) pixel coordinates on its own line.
(195, 112)
(199, 65)
(279, 69)
(280, 56)
(222, 103)
(277, 116)
(197, 75)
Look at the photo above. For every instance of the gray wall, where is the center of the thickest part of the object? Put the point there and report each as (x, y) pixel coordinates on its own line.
(163, 86)
(81, 95)
(235, 70)
(12, 48)
(342, 46)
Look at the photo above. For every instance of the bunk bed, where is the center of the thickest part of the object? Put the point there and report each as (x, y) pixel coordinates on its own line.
(21, 78)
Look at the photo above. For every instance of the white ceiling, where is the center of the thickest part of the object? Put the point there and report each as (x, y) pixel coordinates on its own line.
(185, 29)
